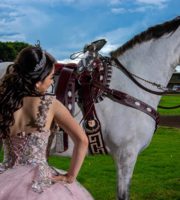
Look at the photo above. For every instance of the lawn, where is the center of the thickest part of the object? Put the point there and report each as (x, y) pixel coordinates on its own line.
(156, 175)
(170, 100)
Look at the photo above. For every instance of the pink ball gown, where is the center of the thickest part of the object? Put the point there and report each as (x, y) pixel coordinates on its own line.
(25, 173)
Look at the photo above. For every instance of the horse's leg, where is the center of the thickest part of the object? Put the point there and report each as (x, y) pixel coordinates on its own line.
(125, 161)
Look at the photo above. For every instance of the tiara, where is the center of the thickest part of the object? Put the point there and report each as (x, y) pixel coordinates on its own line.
(41, 63)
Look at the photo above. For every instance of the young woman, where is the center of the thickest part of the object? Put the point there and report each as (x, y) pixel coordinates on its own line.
(26, 115)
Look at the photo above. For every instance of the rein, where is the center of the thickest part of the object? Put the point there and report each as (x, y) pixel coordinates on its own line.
(130, 76)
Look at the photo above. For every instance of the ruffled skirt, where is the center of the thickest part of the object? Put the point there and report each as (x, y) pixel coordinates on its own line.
(16, 184)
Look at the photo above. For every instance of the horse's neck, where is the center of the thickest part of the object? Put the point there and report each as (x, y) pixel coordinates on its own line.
(153, 60)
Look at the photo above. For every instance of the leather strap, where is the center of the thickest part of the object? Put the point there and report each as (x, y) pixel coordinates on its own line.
(128, 74)
(94, 133)
(128, 100)
(65, 75)
(64, 78)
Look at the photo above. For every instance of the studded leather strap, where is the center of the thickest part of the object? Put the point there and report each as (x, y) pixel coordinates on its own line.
(128, 100)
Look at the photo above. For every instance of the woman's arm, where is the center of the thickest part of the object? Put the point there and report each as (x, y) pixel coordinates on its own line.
(65, 120)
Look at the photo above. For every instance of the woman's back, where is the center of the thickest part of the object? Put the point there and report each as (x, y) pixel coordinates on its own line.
(34, 110)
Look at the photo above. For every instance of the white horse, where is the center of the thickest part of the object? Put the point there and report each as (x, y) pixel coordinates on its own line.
(152, 55)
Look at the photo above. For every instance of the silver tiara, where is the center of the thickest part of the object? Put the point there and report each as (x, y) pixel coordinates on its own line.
(41, 63)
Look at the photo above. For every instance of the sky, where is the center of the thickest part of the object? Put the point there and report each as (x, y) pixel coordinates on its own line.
(65, 26)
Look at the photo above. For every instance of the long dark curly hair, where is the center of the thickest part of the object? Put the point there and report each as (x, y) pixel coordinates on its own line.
(31, 65)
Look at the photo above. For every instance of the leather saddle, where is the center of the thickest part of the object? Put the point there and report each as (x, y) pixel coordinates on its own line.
(74, 86)
(86, 84)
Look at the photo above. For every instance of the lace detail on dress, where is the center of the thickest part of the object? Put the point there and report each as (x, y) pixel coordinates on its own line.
(43, 108)
(30, 149)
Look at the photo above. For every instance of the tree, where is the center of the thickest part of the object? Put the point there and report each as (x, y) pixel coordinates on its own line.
(9, 50)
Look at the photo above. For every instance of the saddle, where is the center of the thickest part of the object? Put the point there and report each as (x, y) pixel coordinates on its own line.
(74, 87)
(86, 84)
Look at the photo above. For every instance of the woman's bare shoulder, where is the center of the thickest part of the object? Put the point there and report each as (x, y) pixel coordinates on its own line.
(59, 109)
(57, 105)
(56, 102)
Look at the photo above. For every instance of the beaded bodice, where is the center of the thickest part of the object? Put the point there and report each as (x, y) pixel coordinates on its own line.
(26, 148)
(29, 149)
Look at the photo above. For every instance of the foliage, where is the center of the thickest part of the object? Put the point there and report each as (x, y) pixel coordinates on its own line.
(9, 50)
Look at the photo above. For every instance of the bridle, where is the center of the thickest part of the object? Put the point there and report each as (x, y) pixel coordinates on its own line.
(166, 91)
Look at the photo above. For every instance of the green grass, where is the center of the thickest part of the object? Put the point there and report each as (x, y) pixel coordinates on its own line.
(97, 174)
(157, 172)
(156, 175)
(170, 100)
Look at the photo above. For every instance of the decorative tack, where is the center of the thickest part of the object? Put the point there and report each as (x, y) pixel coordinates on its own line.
(101, 78)
(137, 103)
(69, 94)
(101, 68)
(69, 106)
(149, 109)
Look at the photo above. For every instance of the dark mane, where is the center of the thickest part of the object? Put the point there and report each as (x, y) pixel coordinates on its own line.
(153, 32)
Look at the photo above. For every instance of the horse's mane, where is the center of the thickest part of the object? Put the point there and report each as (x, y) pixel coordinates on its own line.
(153, 32)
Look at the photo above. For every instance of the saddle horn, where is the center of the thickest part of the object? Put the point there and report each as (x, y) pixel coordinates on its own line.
(95, 46)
